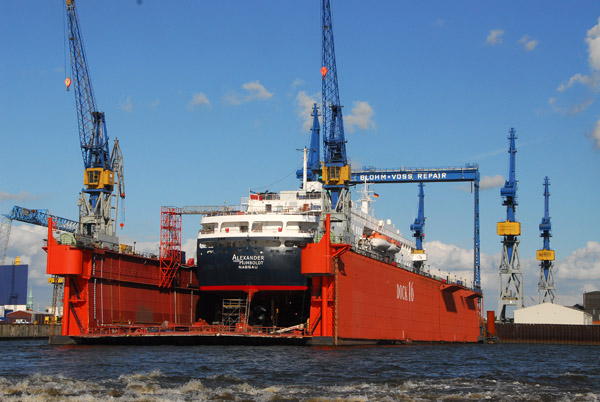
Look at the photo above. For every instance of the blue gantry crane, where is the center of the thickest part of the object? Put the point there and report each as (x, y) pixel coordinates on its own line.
(546, 286)
(468, 173)
(511, 274)
(100, 166)
(418, 254)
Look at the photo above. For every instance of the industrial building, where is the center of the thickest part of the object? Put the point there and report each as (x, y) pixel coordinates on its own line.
(13, 283)
(591, 305)
(550, 313)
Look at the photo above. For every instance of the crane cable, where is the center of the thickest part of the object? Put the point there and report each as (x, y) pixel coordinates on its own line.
(278, 181)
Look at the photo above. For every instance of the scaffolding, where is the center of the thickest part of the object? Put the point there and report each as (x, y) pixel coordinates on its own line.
(235, 311)
(170, 244)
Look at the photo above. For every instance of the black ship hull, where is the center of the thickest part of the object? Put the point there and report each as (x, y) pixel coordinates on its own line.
(249, 266)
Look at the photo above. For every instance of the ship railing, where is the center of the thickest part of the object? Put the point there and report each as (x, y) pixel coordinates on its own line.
(316, 195)
(444, 279)
(381, 227)
(285, 211)
(312, 210)
(213, 210)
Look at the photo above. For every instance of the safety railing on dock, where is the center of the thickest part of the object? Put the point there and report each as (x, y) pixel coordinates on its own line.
(239, 329)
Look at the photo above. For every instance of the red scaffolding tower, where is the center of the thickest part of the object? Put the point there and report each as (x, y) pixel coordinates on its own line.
(170, 244)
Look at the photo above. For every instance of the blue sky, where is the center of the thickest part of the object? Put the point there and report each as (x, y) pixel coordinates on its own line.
(210, 99)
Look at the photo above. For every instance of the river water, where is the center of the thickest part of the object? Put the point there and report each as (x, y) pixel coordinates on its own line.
(36, 371)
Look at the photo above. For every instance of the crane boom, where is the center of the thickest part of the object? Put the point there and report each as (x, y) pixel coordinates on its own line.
(314, 154)
(35, 217)
(511, 274)
(546, 286)
(40, 217)
(95, 204)
(336, 172)
(92, 124)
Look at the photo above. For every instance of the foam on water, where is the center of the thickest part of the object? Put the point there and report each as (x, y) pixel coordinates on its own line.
(146, 387)
(39, 372)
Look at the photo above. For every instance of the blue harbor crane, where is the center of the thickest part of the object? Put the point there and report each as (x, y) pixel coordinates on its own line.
(511, 275)
(100, 166)
(418, 254)
(546, 287)
(33, 216)
(336, 171)
(313, 160)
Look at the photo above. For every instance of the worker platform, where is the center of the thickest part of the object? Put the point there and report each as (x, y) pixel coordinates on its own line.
(197, 334)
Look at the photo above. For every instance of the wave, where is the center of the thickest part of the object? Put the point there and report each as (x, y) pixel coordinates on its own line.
(157, 386)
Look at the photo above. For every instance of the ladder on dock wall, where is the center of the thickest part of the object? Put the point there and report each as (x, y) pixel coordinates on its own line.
(170, 244)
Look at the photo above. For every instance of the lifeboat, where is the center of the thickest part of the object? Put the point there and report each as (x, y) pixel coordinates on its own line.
(383, 243)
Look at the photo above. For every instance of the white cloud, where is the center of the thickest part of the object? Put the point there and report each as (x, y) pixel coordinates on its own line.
(304, 108)
(198, 100)
(595, 135)
(593, 41)
(528, 43)
(576, 109)
(440, 22)
(450, 260)
(572, 110)
(448, 256)
(254, 91)
(126, 105)
(495, 37)
(297, 82)
(589, 81)
(592, 81)
(22, 196)
(150, 247)
(488, 182)
(360, 117)
(574, 275)
(583, 263)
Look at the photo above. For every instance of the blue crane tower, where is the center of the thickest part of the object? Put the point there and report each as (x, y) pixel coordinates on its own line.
(418, 254)
(546, 287)
(336, 170)
(511, 275)
(100, 166)
(313, 157)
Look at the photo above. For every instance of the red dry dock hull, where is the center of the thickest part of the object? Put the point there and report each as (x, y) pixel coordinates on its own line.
(104, 289)
(367, 300)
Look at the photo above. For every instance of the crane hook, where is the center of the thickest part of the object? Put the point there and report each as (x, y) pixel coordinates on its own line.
(68, 83)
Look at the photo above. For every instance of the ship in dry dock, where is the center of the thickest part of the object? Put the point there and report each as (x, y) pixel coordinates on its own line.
(258, 267)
